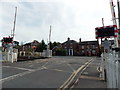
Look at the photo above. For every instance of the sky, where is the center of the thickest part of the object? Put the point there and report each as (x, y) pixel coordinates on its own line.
(68, 18)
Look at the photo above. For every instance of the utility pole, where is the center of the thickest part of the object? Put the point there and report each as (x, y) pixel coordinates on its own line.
(14, 22)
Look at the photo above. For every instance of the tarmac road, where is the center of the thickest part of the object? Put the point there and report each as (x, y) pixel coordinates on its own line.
(41, 73)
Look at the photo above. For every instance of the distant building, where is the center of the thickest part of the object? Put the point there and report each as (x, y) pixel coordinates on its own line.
(31, 45)
(89, 48)
(81, 48)
(71, 47)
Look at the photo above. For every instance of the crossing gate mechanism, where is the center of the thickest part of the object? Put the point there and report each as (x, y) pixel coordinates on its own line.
(106, 32)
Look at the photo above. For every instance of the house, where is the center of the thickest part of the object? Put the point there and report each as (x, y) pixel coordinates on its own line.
(31, 45)
(89, 48)
(71, 47)
(81, 48)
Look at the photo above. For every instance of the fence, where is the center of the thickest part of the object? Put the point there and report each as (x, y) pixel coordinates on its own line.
(111, 66)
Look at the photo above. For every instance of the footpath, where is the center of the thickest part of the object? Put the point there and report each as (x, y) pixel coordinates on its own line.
(90, 78)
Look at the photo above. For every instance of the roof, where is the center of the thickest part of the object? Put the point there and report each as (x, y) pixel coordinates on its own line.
(70, 41)
(35, 42)
(27, 44)
(88, 42)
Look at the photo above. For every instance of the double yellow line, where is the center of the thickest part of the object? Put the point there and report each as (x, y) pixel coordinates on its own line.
(69, 81)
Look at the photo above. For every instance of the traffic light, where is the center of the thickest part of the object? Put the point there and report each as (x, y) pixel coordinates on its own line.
(7, 39)
(106, 31)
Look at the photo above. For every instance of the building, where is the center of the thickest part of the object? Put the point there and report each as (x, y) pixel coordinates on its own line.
(31, 45)
(71, 47)
(89, 48)
(81, 48)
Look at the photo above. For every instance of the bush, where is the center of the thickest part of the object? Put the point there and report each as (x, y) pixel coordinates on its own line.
(60, 52)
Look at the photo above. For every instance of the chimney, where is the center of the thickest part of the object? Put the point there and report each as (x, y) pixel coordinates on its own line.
(68, 39)
(80, 40)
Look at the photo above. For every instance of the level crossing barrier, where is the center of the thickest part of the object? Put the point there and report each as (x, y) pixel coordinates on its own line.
(111, 68)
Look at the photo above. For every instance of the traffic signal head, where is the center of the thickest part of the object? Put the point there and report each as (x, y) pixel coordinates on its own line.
(7, 39)
(106, 32)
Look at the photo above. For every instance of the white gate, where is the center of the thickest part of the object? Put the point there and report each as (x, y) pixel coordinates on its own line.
(112, 68)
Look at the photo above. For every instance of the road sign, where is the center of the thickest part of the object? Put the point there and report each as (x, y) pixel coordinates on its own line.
(106, 32)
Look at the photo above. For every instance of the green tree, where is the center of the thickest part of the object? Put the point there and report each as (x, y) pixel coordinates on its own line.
(54, 44)
(40, 47)
(61, 52)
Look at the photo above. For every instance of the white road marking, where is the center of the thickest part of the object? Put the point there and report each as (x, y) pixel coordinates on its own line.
(21, 74)
(71, 67)
(19, 68)
(14, 76)
(59, 70)
(89, 77)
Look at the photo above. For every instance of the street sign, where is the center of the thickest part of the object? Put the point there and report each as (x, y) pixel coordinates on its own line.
(106, 32)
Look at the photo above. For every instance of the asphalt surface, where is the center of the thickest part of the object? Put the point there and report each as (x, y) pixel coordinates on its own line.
(41, 73)
(90, 77)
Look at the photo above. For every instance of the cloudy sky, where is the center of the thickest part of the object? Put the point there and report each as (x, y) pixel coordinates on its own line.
(68, 18)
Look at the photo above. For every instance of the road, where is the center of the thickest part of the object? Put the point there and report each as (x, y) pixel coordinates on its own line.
(55, 72)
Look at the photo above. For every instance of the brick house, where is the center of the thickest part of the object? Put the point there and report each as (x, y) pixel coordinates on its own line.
(71, 47)
(31, 45)
(81, 48)
(88, 48)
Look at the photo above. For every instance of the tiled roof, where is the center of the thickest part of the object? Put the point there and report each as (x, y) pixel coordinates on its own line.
(70, 41)
(88, 42)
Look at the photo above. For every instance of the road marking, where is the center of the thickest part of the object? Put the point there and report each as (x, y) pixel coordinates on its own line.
(73, 75)
(71, 67)
(89, 77)
(21, 74)
(19, 68)
(59, 70)
(13, 76)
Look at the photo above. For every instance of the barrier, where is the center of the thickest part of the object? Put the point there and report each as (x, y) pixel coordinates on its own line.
(112, 68)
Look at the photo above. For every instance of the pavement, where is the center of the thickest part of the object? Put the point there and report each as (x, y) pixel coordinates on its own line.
(90, 78)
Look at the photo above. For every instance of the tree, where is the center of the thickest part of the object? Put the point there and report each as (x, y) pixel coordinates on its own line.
(40, 47)
(54, 44)
(60, 52)
(16, 43)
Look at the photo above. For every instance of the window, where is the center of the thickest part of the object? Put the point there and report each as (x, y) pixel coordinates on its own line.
(82, 51)
(83, 47)
(93, 51)
(93, 46)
